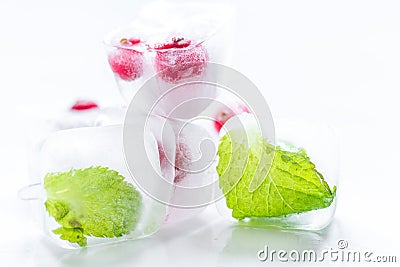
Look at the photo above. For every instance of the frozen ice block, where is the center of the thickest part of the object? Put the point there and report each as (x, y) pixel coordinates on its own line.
(288, 183)
(73, 207)
(70, 119)
(177, 45)
(195, 163)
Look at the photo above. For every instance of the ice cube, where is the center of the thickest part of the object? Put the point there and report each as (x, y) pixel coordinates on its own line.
(101, 146)
(42, 128)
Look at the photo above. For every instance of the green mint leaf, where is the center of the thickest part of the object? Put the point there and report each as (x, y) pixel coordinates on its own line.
(95, 201)
(260, 180)
(73, 235)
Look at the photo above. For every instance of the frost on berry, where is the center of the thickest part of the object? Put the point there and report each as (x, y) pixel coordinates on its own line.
(126, 63)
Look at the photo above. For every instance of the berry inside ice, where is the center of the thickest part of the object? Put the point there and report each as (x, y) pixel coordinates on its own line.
(226, 112)
(179, 59)
(182, 160)
(125, 61)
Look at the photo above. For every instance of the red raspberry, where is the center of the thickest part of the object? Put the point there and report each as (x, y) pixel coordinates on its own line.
(176, 60)
(227, 112)
(126, 62)
(84, 105)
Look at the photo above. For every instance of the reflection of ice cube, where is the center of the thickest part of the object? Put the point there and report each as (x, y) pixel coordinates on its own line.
(101, 146)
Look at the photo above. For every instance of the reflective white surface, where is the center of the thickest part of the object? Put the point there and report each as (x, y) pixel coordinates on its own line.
(313, 60)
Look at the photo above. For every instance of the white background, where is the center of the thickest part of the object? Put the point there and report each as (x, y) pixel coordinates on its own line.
(335, 61)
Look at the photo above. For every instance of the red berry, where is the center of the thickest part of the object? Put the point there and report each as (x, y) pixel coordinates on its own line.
(181, 160)
(133, 41)
(126, 63)
(84, 105)
(176, 60)
(227, 112)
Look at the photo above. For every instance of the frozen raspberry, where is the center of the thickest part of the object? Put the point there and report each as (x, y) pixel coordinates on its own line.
(84, 105)
(178, 60)
(227, 112)
(182, 160)
(126, 62)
